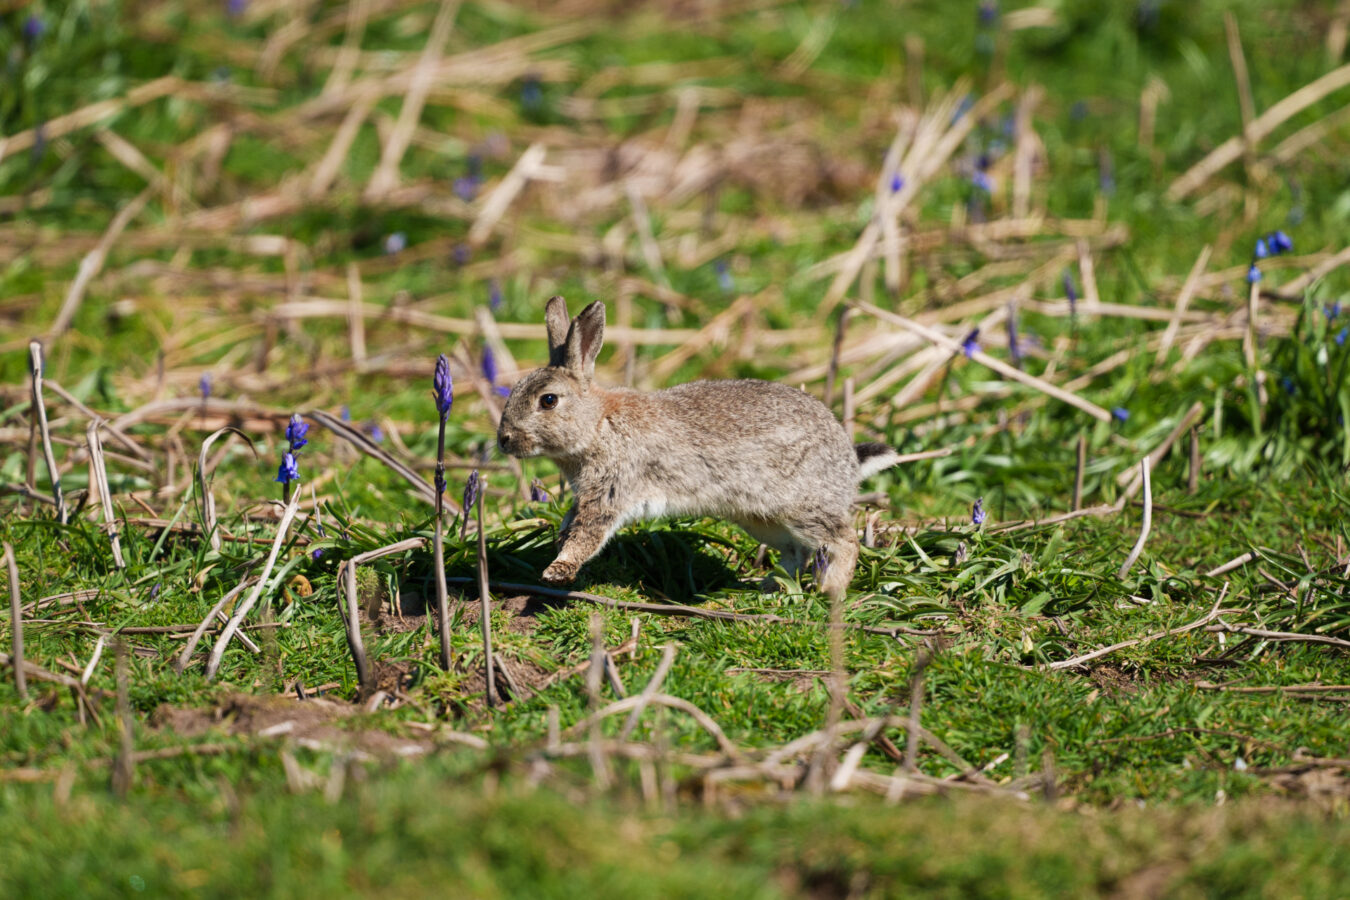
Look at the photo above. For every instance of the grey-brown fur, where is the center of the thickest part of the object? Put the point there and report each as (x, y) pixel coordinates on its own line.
(770, 458)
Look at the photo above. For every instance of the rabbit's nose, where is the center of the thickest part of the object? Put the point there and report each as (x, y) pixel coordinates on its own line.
(504, 439)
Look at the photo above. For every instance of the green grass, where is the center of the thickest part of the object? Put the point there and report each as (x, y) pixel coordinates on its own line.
(1144, 753)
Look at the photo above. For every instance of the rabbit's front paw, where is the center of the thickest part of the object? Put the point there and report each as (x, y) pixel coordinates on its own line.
(560, 572)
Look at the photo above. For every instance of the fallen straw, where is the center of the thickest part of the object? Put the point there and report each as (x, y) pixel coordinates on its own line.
(242, 610)
(988, 361)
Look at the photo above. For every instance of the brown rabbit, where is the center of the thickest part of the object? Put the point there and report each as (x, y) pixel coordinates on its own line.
(769, 457)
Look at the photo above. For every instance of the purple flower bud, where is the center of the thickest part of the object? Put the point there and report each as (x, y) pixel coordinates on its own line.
(442, 387)
(1332, 311)
(296, 430)
(1279, 242)
(1121, 413)
(204, 384)
(154, 591)
(1260, 251)
(820, 562)
(977, 513)
(494, 295)
(466, 188)
(1071, 291)
(1014, 345)
(897, 182)
(288, 471)
(489, 366)
(472, 490)
(375, 431)
(971, 345)
(539, 493)
(33, 28)
(1341, 336)
(346, 413)
(723, 275)
(460, 255)
(531, 93)
(982, 181)
(1253, 274)
(395, 243)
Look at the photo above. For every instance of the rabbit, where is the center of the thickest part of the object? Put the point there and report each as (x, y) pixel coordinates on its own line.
(768, 457)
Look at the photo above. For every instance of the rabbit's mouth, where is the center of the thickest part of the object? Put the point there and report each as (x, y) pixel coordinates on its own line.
(513, 443)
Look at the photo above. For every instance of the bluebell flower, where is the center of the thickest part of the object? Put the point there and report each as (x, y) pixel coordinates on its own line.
(489, 365)
(531, 93)
(1121, 413)
(296, 430)
(1106, 173)
(988, 13)
(1260, 251)
(1288, 384)
(466, 188)
(539, 493)
(971, 345)
(723, 275)
(318, 527)
(1070, 291)
(395, 243)
(473, 489)
(897, 182)
(235, 8)
(1014, 345)
(981, 180)
(346, 413)
(154, 590)
(461, 254)
(288, 471)
(1332, 311)
(977, 513)
(33, 28)
(375, 431)
(443, 387)
(820, 562)
(1280, 242)
(1341, 335)
(204, 384)
(1253, 274)
(494, 295)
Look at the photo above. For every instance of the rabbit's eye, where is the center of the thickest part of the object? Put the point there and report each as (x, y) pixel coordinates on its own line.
(548, 401)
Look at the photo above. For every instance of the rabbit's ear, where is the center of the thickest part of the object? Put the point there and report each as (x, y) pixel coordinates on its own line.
(557, 321)
(584, 339)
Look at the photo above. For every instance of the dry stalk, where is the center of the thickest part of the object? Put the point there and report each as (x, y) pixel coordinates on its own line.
(16, 623)
(351, 619)
(1201, 622)
(40, 412)
(242, 610)
(98, 479)
(1147, 522)
(485, 612)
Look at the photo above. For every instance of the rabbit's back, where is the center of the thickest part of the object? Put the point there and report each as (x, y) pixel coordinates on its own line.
(737, 448)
